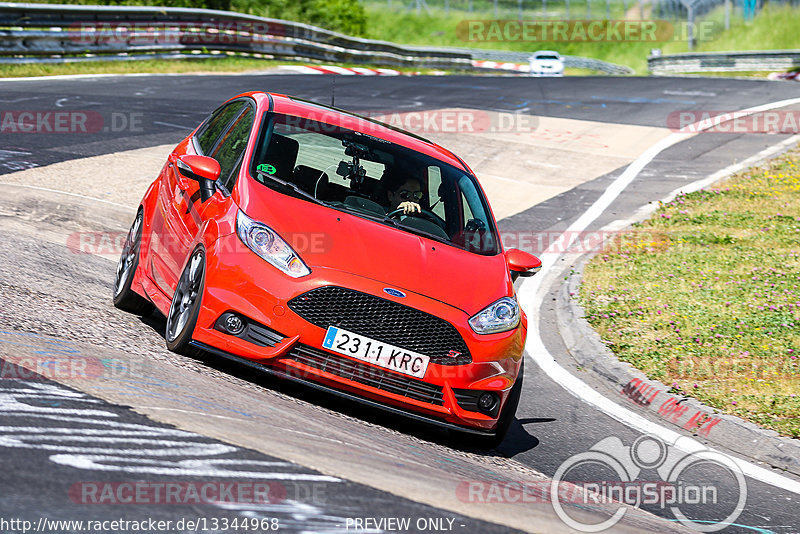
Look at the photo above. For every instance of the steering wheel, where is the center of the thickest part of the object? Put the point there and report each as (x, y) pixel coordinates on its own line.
(425, 214)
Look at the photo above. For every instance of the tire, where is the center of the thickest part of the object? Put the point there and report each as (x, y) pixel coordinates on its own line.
(507, 415)
(124, 297)
(185, 306)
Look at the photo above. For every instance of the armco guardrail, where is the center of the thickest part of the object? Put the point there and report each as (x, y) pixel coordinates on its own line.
(769, 60)
(38, 32)
(46, 30)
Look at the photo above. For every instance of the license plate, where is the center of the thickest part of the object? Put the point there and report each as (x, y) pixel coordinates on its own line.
(373, 351)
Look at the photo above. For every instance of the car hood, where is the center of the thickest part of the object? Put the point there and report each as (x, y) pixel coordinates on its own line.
(325, 237)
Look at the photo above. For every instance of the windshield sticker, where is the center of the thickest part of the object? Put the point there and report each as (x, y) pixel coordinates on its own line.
(266, 168)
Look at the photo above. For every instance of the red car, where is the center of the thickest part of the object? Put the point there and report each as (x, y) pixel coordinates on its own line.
(332, 249)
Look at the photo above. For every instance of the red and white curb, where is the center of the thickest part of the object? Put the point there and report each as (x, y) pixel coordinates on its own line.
(345, 71)
(362, 71)
(784, 76)
(518, 67)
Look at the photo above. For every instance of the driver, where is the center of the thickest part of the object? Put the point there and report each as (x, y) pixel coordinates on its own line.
(403, 192)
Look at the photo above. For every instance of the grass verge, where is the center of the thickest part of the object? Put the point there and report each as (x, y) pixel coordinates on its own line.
(211, 65)
(773, 28)
(705, 295)
(221, 65)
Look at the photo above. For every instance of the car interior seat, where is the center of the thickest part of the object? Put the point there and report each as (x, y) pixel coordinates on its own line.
(311, 180)
(281, 154)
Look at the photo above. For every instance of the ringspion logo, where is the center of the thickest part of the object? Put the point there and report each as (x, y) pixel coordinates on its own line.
(693, 486)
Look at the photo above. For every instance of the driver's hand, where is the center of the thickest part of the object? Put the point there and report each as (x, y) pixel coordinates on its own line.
(409, 207)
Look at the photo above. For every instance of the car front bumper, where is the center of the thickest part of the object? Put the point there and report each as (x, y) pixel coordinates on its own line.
(248, 286)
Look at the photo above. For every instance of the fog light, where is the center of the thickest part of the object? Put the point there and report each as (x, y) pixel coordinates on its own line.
(487, 402)
(233, 324)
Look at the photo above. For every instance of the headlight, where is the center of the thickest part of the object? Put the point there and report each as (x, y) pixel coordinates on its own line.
(265, 242)
(500, 316)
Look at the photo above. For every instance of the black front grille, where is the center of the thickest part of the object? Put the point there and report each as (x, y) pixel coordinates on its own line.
(367, 374)
(384, 320)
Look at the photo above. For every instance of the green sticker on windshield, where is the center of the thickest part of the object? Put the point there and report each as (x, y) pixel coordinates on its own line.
(267, 168)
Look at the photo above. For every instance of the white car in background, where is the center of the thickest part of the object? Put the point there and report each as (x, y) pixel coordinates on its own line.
(546, 63)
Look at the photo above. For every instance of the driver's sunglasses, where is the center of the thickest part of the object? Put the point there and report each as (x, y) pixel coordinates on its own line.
(405, 194)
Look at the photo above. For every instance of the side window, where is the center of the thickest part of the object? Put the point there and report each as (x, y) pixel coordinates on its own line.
(230, 147)
(231, 180)
(208, 135)
(479, 237)
(434, 183)
(466, 207)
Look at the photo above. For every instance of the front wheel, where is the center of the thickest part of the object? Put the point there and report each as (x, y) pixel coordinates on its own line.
(126, 298)
(185, 307)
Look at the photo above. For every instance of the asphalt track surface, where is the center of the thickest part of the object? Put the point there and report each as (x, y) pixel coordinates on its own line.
(552, 425)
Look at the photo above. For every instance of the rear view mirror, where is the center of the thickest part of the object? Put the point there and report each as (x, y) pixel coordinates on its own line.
(202, 169)
(521, 263)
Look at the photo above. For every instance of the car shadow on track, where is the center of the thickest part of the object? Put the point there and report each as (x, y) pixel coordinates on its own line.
(517, 440)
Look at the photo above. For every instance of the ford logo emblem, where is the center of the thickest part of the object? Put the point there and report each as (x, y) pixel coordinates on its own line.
(394, 292)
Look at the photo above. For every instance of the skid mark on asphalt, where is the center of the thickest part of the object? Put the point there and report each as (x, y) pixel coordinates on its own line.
(15, 160)
(76, 431)
(94, 438)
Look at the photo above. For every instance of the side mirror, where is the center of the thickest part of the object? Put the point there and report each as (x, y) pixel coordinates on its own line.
(202, 169)
(520, 263)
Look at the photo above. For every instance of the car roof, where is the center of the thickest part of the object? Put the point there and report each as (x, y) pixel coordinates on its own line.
(289, 105)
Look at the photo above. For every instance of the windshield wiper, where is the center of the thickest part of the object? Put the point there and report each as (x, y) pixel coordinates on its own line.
(410, 229)
(292, 186)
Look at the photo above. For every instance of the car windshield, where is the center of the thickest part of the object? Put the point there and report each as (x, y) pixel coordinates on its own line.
(373, 178)
(546, 56)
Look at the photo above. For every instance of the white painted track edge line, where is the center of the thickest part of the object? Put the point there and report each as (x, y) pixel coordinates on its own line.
(531, 295)
(95, 199)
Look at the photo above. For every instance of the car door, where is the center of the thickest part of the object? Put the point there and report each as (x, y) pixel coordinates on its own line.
(179, 197)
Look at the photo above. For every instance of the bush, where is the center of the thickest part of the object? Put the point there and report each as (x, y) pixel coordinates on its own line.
(345, 16)
(224, 5)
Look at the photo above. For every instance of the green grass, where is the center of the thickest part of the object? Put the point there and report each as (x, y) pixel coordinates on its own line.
(440, 30)
(774, 28)
(220, 65)
(704, 295)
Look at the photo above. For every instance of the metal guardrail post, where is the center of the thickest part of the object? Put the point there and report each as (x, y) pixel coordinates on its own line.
(768, 60)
